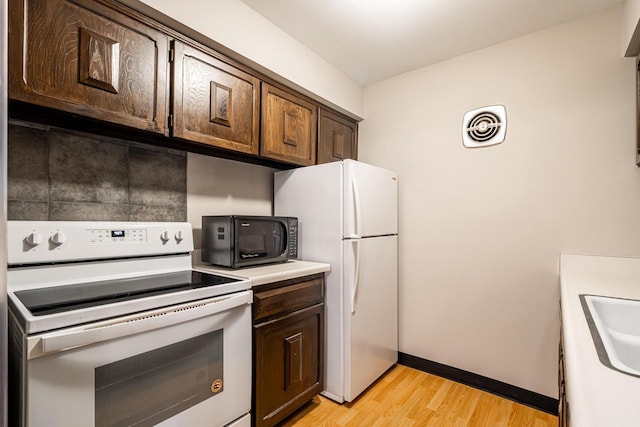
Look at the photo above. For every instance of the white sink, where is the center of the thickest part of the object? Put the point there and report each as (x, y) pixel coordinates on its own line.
(615, 329)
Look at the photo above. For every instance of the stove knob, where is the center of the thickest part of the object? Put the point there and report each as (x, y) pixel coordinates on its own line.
(164, 236)
(34, 238)
(58, 238)
(179, 236)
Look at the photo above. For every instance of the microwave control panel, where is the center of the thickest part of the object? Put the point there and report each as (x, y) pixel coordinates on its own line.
(293, 237)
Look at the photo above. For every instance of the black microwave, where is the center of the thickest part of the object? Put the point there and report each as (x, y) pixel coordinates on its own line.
(240, 241)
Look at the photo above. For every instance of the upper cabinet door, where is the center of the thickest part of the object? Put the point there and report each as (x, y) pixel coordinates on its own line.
(337, 138)
(213, 102)
(289, 125)
(85, 58)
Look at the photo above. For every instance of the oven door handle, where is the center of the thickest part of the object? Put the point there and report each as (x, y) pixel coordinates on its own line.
(137, 323)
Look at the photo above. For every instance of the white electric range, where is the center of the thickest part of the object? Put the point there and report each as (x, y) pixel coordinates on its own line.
(110, 326)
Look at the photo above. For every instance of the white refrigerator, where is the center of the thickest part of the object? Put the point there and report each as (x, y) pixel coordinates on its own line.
(348, 217)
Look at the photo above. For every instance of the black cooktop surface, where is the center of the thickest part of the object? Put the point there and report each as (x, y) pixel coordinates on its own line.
(59, 299)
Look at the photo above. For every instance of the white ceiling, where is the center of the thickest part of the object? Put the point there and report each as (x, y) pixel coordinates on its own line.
(371, 40)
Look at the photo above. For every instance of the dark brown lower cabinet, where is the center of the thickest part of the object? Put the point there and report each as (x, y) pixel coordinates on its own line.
(288, 337)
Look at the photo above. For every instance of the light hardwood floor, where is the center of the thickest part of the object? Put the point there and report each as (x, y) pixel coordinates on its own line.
(408, 397)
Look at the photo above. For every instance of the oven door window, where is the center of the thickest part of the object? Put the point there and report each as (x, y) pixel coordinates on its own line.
(148, 388)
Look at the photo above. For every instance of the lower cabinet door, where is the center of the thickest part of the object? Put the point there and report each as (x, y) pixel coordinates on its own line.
(288, 367)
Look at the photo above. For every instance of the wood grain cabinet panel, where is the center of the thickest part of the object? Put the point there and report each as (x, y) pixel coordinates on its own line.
(284, 299)
(213, 102)
(87, 58)
(288, 342)
(289, 125)
(287, 364)
(337, 137)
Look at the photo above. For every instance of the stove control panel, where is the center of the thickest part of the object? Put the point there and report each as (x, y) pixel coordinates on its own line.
(31, 242)
(117, 236)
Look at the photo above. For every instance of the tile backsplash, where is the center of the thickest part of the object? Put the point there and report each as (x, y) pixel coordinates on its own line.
(60, 175)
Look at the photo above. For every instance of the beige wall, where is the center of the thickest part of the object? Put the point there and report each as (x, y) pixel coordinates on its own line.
(239, 28)
(224, 187)
(481, 230)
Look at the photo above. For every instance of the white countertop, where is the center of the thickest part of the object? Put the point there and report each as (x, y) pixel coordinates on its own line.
(597, 395)
(269, 273)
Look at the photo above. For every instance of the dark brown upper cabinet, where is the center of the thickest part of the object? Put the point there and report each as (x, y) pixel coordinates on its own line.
(289, 125)
(337, 137)
(213, 102)
(102, 60)
(85, 58)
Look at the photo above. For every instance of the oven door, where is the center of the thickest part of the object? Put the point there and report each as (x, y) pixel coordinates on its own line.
(188, 365)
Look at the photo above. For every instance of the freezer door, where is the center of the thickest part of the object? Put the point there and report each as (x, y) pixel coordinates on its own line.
(371, 312)
(370, 200)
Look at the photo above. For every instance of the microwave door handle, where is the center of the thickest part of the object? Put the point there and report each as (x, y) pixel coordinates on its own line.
(277, 243)
(144, 322)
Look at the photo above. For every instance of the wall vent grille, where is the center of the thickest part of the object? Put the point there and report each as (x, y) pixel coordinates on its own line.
(484, 126)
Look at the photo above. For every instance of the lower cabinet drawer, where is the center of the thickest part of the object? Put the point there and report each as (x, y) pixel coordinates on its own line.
(287, 298)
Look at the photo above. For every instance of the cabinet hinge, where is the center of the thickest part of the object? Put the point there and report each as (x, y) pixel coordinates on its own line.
(171, 121)
(172, 55)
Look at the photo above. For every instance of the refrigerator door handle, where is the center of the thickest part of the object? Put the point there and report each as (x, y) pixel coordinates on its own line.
(354, 287)
(356, 206)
